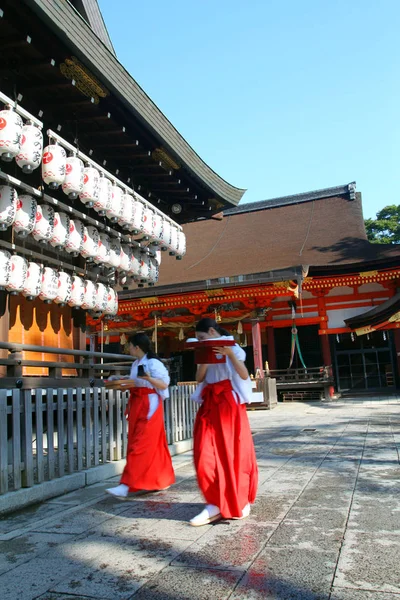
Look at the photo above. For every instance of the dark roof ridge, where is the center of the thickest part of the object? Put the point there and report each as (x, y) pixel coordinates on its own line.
(339, 190)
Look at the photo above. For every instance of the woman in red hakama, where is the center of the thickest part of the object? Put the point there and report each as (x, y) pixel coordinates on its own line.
(224, 455)
(148, 461)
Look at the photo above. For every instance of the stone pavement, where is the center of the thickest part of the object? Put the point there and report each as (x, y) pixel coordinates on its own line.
(326, 523)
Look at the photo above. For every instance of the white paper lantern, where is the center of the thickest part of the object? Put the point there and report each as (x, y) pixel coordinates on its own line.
(103, 202)
(137, 224)
(101, 298)
(49, 287)
(90, 242)
(114, 259)
(25, 216)
(126, 257)
(147, 226)
(125, 219)
(144, 274)
(33, 281)
(181, 244)
(166, 235)
(77, 292)
(8, 206)
(112, 302)
(173, 246)
(89, 295)
(158, 255)
(90, 190)
(114, 210)
(44, 223)
(136, 259)
(54, 161)
(5, 268)
(73, 182)
(64, 288)
(157, 228)
(153, 270)
(60, 236)
(30, 154)
(18, 271)
(10, 134)
(103, 249)
(75, 238)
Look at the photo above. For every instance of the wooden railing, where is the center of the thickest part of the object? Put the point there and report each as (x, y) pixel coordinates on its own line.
(54, 426)
(313, 375)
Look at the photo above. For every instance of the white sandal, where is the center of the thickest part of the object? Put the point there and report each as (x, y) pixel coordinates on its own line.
(208, 515)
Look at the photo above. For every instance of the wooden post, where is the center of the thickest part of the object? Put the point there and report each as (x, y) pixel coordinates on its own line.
(271, 353)
(257, 347)
(324, 338)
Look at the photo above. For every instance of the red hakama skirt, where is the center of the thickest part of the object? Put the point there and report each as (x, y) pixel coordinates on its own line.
(223, 449)
(148, 461)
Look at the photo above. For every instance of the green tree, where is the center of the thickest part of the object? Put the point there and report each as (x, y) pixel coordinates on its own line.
(385, 229)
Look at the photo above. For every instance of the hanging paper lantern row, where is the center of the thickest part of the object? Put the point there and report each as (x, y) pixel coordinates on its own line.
(18, 271)
(5, 268)
(10, 134)
(54, 162)
(8, 206)
(90, 190)
(25, 217)
(31, 149)
(61, 227)
(72, 185)
(64, 288)
(33, 281)
(44, 224)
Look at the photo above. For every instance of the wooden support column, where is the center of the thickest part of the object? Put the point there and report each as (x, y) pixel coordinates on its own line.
(4, 327)
(257, 347)
(271, 353)
(324, 338)
(396, 335)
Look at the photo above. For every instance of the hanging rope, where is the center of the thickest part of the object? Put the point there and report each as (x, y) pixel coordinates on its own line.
(295, 344)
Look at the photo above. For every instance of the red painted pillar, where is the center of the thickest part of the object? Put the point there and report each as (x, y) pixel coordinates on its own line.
(324, 338)
(396, 334)
(257, 347)
(271, 348)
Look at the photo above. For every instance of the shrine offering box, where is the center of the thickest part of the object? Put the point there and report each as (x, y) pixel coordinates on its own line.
(203, 351)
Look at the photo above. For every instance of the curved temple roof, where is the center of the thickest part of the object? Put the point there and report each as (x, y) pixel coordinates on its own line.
(75, 32)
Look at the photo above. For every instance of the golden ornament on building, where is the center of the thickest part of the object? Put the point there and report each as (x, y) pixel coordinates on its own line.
(83, 79)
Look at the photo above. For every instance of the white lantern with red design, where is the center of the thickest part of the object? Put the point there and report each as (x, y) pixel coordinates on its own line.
(10, 134)
(101, 298)
(103, 202)
(54, 161)
(30, 154)
(90, 243)
(114, 210)
(181, 244)
(147, 227)
(173, 245)
(33, 281)
(44, 223)
(144, 274)
(157, 228)
(90, 190)
(112, 302)
(49, 287)
(137, 223)
(166, 235)
(5, 268)
(136, 259)
(75, 238)
(103, 249)
(77, 292)
(60, 235)
(73, 182)
(25, 216)
(114, 259)
(64, 288)
(89, 295)
(153, 270)
(18, 271)
(125, 219)
(8, 206)
(126, 257)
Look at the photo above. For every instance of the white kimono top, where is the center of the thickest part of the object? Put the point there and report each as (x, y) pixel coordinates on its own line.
(154, 368)
(220, 371)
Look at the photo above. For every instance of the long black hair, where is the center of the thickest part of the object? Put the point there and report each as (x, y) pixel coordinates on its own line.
(143, 341)
(204, 325)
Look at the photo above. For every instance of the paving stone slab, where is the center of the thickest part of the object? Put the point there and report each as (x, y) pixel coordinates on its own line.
(26, 547)
(121, 568)
(28, 516)
(227, 545)
(175, 583)
(345, 594)
(369, 561)
(375, 512)
(76, 522)
(288, 574)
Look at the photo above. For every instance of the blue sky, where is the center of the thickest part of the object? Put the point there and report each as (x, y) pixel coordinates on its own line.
(277, 96)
